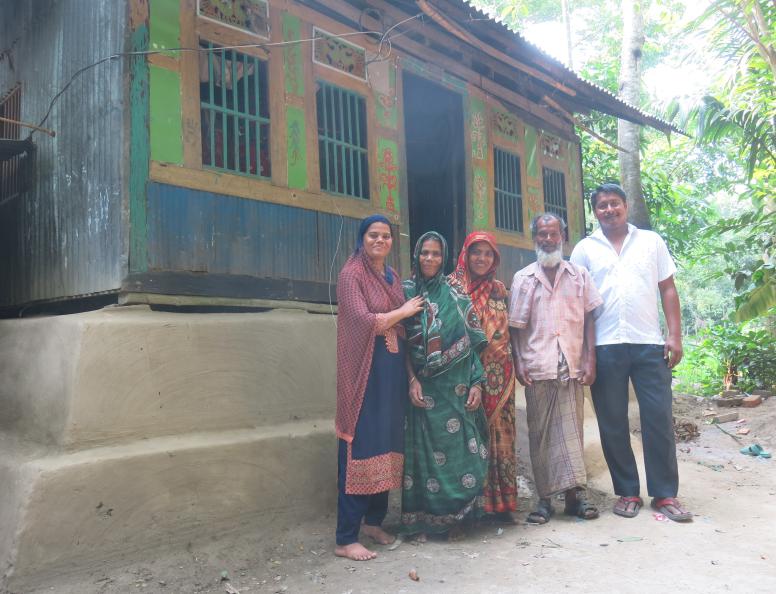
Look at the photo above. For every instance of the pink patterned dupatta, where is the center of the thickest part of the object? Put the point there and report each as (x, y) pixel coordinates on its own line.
(363, 295)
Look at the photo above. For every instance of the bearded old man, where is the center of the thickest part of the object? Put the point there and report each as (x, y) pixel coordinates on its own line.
(553, 344)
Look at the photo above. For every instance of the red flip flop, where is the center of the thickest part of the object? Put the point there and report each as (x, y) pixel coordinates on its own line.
(662, 504)
(623, 502)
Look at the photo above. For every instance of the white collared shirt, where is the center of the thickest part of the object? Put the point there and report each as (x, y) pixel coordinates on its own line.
(628, 283)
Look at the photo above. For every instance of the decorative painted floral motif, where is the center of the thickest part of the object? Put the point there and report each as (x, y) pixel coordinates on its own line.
(387, 171)
(292, 56)
(478, 136)
(432, 485)
(473, 445)
(461, 390)
(247, 15)
(440, 458)
(338, 54)
(483, 452)
(551, 146)
(468, 481)
(453, 425)
(386, 103)
(429, 401)
(294, 142)
(506, 125)
(408, 482)
(480, 198)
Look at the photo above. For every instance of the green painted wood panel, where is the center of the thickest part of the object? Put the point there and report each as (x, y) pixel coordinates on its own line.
(531, 156)
(292, 56)
(389, 174)
(164, 16)
(297, 147)
(165, 121)
(533, 191)
(296, 127)
(478, 136)
(386, 106)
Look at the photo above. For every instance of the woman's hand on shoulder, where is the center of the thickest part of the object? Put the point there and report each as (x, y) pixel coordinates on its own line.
(412, 306)
(475, 397)
(416, 393)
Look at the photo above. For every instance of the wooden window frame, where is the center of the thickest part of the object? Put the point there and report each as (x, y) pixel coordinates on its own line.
(508, 194)
(191, 174)
(342, 145)
(551, 207)
(245, 118)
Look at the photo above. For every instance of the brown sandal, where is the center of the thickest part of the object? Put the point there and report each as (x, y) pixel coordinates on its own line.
(623, 503)
(663, 505)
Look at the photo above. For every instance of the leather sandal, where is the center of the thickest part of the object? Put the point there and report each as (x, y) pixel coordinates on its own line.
(623, 503)
(542, 514)
(663, 505)
(582, 509)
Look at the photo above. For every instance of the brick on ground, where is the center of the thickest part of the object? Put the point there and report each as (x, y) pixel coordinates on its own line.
(752, 401)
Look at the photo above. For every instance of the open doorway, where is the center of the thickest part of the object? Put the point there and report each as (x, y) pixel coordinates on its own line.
(436, 161)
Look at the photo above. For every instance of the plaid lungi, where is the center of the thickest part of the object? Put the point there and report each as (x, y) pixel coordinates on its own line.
(555, 414)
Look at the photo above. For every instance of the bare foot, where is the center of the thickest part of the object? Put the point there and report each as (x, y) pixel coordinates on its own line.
(377, 534)
(355, 552)
(421, 537)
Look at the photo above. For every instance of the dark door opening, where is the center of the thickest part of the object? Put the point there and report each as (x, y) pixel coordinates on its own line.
(436, 161)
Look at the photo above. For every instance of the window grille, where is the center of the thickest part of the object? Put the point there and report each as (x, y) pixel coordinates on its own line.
(234, 107)
(12, 171)
(508, 191)
(555, 192)
(342, 145)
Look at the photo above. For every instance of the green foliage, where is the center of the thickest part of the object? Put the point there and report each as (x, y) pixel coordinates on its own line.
(726, 351)
(741, 115)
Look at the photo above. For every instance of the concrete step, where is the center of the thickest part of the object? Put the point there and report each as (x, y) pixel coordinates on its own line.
(77, 509)
(126, 373)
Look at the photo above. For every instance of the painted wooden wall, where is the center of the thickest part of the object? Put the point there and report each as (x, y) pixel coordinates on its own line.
(166, 140)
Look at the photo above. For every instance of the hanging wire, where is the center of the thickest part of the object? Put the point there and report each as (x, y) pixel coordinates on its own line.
(121, 55)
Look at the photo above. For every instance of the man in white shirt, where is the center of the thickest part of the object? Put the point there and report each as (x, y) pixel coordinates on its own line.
(630, 266)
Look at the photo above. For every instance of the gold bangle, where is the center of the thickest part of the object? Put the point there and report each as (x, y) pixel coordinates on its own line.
(414, 379)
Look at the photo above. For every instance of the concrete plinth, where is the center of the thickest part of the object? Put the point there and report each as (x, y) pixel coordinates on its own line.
(125, 429)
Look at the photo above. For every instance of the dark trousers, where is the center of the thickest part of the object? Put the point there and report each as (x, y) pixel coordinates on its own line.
(644, 365)
(351, 509)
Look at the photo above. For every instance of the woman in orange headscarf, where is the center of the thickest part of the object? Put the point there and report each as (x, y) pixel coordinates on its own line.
(475, 276)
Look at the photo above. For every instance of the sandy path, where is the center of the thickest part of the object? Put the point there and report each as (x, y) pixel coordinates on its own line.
(730, 547)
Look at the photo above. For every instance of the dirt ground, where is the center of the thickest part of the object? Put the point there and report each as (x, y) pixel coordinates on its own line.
(730, 546)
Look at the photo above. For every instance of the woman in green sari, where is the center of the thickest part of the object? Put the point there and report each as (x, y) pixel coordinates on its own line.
(446, 448)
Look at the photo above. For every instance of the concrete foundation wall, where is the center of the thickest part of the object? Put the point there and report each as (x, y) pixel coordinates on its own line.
(124, 429)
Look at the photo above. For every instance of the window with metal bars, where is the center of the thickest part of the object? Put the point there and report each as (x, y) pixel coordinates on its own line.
(13, 170)
(555, 192)
(342, 146)
(508, 191)
(234, 107)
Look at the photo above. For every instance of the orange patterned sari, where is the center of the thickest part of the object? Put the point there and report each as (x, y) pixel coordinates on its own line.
(488, 296)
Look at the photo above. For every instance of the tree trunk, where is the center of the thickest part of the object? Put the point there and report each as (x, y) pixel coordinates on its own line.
(628, 133)
(567, 24)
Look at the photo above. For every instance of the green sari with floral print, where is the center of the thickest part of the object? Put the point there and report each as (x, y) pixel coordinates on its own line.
(446, 447)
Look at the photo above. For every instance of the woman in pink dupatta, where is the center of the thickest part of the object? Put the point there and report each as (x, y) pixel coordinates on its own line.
(371, 388)
(475, 276)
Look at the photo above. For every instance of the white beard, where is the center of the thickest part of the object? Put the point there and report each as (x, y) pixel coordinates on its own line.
(549, 259)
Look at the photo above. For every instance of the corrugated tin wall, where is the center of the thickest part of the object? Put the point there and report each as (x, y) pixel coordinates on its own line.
(64, 237)
(192, 231)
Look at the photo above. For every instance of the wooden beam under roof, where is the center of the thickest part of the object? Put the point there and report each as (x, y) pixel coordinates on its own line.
(523, 96)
